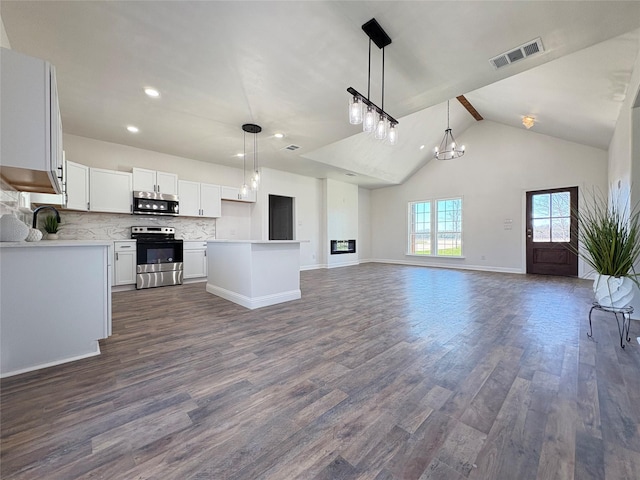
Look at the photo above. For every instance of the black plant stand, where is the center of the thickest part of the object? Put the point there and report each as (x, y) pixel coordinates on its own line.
(626, 319)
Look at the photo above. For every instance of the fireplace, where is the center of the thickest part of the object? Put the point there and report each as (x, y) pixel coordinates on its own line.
(343, 246)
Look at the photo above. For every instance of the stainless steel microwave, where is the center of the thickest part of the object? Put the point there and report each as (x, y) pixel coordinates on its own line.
(154, 203)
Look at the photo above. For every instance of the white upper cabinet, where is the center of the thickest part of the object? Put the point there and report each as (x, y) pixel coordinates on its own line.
(30, 125)
(233, 193)
(210, 203)
(77, 186)
(199, 199)
(110, 191)
(152, 181)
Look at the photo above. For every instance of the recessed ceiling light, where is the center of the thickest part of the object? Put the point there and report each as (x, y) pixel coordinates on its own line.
(421, 147)
(133, 129)
(239, 155)
(351, 174)
(152, 92)
(279, 135)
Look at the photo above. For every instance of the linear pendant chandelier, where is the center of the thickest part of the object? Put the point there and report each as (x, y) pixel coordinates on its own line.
(362, 109)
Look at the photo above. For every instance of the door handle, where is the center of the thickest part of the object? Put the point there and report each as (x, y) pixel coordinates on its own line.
(529, 233)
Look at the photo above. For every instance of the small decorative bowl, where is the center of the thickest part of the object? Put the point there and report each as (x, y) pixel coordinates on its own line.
(35, 235)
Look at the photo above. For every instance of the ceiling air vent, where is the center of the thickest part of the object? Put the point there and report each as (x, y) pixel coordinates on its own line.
(291, 147)
(523, 51)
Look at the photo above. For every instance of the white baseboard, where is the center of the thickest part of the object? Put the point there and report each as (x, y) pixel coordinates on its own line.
(53, 364)
(256, 302)
(480, 268)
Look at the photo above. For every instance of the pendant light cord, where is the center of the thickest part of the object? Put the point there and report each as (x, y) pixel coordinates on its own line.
(448, 115)
(369, 74)
(244, 157)
(383, 79)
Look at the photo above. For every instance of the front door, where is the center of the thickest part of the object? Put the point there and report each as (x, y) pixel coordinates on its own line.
(552, 229)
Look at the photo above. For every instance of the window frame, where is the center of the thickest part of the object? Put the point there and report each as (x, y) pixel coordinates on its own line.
(433, 227)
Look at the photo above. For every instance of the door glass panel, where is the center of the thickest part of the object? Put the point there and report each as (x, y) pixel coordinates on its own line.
(541, 205)
(560, 204)
(541, 230)
(560, 230)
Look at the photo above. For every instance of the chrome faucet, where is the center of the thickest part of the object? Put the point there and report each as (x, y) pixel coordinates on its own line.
(35, 214)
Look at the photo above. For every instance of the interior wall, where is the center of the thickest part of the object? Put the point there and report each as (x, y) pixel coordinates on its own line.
(308, 207)
(624, 153)
(500, 165)
(364, 225)
(342, 220)
(4, 39)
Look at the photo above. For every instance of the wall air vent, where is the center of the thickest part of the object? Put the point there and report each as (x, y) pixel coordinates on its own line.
(523, 51)
(291, 147)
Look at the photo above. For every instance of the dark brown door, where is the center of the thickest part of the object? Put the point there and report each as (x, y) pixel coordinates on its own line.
(551, 230)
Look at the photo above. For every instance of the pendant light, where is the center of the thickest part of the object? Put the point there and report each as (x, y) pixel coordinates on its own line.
(254, 181)
(448, 147)
(361, 109)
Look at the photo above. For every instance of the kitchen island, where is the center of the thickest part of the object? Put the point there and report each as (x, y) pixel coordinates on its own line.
(56, 302)
(254, 273)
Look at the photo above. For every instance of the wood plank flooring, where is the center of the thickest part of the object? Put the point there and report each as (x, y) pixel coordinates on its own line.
(379, 372)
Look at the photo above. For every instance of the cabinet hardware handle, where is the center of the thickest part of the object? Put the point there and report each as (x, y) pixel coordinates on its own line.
(116, 256)
(125, 246)
(88, 205)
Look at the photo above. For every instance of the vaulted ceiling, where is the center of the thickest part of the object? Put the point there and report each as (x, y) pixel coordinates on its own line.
(286, 66)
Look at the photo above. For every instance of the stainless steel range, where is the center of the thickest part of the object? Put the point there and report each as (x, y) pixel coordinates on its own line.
(159, 257)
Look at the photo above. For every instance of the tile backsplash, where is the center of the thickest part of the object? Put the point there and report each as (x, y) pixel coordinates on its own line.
(112, 226)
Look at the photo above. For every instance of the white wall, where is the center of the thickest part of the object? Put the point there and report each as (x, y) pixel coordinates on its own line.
(341, 200)
(4, 39)
(624, 152)
(363, 246)
(501, 164)
(308, 211)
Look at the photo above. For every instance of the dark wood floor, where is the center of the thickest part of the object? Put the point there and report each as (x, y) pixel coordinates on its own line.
(378, 372)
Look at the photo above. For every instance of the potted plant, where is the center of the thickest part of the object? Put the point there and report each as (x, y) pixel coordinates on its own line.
(609, 239)
(51, 227)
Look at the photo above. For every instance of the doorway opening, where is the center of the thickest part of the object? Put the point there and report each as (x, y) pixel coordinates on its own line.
(280, 217)
(552, 232)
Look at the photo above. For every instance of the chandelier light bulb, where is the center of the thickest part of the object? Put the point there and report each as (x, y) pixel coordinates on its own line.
(381, 129)
(393, 134)
(368, 124)
(355, 111)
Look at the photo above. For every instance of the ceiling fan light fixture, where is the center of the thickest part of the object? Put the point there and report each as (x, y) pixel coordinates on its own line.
(528, 121)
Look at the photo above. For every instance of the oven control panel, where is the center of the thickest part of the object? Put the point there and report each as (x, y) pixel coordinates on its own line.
(154, 230)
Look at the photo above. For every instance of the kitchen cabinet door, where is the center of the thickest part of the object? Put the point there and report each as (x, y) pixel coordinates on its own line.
(77, 186)
(233, 193)
(195, 259)
(144, 180)
(167, 183)
(189, 198)
(110, 191)
(210, 204)
(152, 181)
(124, 265)
(30, 124)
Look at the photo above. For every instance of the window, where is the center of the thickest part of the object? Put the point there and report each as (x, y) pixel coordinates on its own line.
(435, 227)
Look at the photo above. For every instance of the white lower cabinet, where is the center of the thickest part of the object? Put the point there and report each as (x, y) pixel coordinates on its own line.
(195, 259)
(124, 262)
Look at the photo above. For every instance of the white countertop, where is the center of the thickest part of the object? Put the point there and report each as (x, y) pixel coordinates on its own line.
(57, 243)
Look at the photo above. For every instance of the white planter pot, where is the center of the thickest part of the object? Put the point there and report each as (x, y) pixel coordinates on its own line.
(616, 292)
